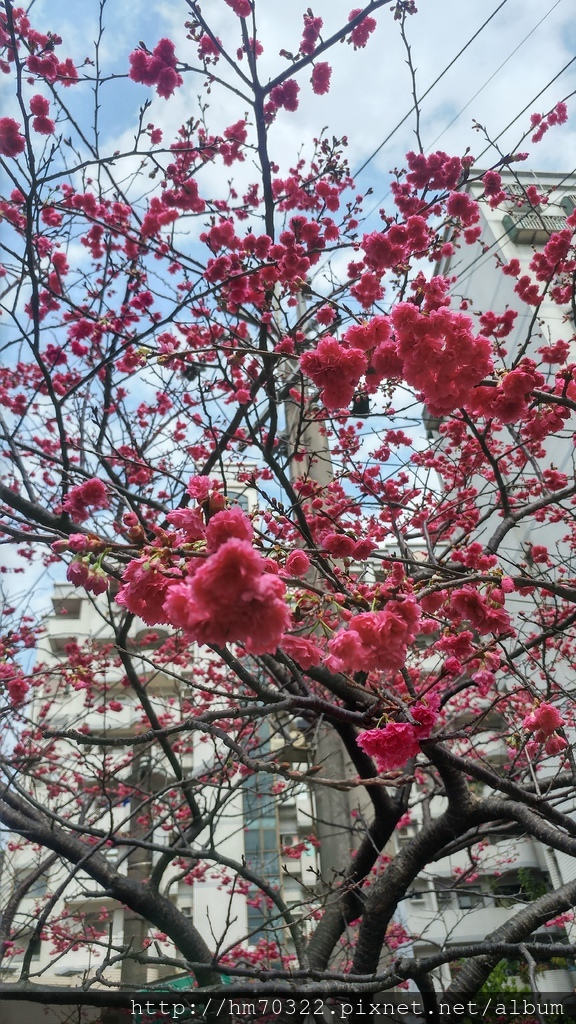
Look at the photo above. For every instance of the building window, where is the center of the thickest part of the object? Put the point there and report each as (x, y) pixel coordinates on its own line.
(36, 888)
(469, 900)
(405, 835)
(22, 943)
(444, 892)
(67, 607)
(531, 228)
(416, 895)
(241, 499)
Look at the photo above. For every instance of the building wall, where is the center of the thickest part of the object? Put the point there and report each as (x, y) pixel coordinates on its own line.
(221, 917)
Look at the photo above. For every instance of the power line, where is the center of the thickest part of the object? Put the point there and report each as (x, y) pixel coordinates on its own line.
(471, 100)
(504, 130)
(494, 73)
(500, 134)
(527, 107)
(429, 89)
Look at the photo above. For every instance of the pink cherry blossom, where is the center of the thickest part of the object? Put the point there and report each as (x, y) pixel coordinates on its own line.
(487, 616)
(231, 598)
(90, 494)
(391, 747)
(554, 744)
(302, 650)
(361, 32)
(144, 588)
(11, 142)
(41, 123)
(286, 94)
(157, 68)
(334, 369)
(321, 78)
(231, 522)
(377, 640)
(189, 520)
(243, 8)
(297, 563)
(544, 719)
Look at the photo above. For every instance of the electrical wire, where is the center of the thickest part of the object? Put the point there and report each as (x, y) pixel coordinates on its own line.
(504, 130)
(430, 87)
(488, 251)
(482, 87)
(494, 73)
(528, 105)
(500, 134)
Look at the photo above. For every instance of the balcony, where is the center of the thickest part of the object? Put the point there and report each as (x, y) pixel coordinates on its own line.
(531, 228)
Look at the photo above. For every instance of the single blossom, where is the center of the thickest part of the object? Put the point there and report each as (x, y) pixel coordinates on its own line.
(11, 142)
(189, 520)
(231, 522)
(554, 744)
(321, 76)
(243, 8)
(297, 563)
(301, 650)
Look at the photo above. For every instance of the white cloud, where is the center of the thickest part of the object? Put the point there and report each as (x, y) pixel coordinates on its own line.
(371, 87)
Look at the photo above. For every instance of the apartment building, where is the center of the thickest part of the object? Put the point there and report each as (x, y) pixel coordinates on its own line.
(450, 904)
(251, 824)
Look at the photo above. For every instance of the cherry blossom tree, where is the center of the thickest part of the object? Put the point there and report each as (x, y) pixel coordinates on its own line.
(187, 321)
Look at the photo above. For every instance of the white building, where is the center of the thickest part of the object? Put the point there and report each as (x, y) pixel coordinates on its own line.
(250, 824)
(450, 904)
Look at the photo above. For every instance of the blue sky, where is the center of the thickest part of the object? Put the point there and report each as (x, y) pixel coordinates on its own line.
(370, 88)
(507, 65)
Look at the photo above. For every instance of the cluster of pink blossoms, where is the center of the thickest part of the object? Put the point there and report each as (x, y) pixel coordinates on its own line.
(91, 494)
(81, 574)
(543, 722)
(12, 143)
(440, 355)
(41, 123)
(13, 682)
(321, 76)
(231, 597)
(362, 31)
(434, 351)
(486, 613)
(508, 401)
(376, 640)
(336, 370)
(243, 8)
(49, 67)
(227, 594)
(394, 745)
(157, 68)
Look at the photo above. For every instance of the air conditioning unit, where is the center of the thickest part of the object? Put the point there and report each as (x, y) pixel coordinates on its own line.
(568, 204)
(531, 228)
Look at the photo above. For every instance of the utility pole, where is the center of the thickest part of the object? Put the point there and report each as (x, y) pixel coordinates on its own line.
(138, 868)
(333, 807)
